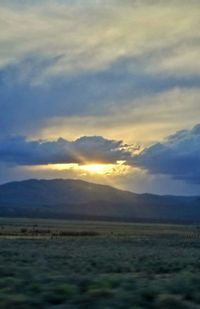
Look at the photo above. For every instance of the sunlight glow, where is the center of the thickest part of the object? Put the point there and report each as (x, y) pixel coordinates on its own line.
(97, 168)
(101, 169)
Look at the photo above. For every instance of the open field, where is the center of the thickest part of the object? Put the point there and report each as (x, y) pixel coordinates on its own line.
(67, 264)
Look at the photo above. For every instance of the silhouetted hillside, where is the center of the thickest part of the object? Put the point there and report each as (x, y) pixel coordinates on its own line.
(79, 199)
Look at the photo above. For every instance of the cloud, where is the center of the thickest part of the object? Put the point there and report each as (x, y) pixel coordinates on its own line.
(146, 120)
(76, 38)
(65, 59)
(19, 151)
(178, 156)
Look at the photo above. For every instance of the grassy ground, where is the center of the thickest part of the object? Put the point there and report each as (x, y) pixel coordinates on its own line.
(65, 264)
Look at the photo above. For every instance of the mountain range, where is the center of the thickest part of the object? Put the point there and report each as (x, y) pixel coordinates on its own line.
(77, 199)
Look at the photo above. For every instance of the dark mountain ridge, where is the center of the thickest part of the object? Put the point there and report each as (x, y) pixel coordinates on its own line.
(59, 198)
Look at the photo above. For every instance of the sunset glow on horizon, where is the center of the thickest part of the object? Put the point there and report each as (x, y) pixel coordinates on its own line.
(99, 169)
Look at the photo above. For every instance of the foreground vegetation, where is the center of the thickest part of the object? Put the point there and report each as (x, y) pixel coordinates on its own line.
(65, 264)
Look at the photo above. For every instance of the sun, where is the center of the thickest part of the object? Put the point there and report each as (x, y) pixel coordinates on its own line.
(96, 168)
(87, 169)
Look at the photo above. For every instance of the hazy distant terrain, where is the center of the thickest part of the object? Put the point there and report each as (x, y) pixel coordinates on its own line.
(60, 198)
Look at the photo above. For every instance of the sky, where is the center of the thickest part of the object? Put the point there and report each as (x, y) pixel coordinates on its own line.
(104, 91)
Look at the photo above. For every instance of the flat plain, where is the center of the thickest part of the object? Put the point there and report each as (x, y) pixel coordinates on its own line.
(73, 264)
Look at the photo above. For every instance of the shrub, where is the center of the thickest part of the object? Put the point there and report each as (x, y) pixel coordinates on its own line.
(170, 302)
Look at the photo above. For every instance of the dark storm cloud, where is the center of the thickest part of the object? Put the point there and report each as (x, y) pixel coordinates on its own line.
(178, 156)
(19, 151)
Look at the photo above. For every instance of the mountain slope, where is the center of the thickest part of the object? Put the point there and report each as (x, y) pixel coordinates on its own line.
(76, 198)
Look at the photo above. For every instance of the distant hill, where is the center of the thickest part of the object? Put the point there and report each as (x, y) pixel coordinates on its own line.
(59, 198)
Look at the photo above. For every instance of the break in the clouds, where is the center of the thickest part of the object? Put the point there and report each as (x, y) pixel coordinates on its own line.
(178, 156)
(19, 151)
